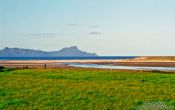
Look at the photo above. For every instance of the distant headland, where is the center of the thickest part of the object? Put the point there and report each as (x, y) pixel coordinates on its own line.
(72, 51)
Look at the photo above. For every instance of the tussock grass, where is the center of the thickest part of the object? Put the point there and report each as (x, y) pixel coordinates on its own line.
(78, 89)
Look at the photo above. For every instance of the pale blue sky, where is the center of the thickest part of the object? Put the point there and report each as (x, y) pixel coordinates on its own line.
(107, 27)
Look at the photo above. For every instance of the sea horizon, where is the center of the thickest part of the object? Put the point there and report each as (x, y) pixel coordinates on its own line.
(70, 58)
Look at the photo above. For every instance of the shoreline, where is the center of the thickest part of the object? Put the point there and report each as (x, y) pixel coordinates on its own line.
(61, 63)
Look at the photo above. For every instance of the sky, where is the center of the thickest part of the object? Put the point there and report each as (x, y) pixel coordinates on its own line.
(106, 27)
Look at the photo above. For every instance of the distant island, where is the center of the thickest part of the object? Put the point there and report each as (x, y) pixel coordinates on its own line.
(72, 51)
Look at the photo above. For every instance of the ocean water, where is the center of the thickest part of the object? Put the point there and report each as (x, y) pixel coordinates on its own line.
(68, 58)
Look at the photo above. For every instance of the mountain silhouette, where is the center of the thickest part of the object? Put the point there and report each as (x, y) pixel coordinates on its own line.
(72, 51)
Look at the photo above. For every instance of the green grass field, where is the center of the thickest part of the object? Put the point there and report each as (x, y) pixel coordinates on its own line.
(84, 89)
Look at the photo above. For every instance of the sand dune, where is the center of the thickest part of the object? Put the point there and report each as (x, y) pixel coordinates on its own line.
(152, 59)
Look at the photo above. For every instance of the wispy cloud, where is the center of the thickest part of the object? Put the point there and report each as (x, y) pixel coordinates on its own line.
(94, 33)
(43, 34)
(72, 24)
(83, 25)
(93, 26)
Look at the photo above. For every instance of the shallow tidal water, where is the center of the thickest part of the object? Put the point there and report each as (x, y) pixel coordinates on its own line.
(120, 67)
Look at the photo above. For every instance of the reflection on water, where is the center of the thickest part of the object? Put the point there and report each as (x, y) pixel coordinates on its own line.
(120, 67)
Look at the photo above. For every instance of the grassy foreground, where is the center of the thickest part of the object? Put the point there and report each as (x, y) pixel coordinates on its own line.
(85, 89)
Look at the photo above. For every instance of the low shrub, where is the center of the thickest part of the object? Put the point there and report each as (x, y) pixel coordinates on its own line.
(1, 68)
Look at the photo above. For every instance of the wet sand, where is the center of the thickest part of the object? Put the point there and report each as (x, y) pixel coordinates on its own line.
(61, 63)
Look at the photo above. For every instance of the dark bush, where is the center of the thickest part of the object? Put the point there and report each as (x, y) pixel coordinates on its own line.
(8, 69)
(1, 67)
(156, 71)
